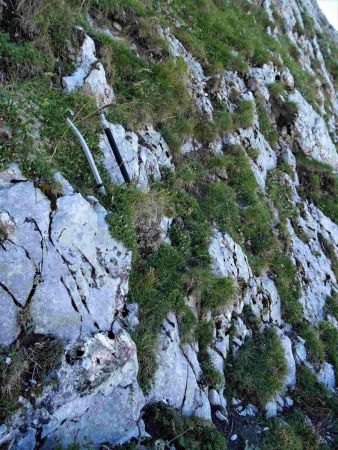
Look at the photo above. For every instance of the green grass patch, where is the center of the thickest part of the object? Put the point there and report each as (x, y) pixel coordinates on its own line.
(318, 184)
(288, 287)
(257, 371)
(32, 358)
(314, 398)
(314, 345)
(280, 192)
(329, 335)
(331, 306)
(292, 432)
(265, 125)
(186, 433)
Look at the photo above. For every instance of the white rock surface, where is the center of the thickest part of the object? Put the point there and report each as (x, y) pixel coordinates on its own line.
(89, 76)
(311, 133)
(315, 273)
(228, 259)
(175, 380)
(96, 399)
(85, 59)
(326, 376)
(63, 262)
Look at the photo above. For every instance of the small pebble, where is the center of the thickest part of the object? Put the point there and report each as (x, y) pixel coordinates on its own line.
(233, 437)
(8, 361)
(3, 429)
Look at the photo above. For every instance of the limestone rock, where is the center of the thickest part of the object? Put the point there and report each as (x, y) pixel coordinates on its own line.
(63, 262)
(175, 381)
(326, 376)
(96, 399)
(89, 75)
(228, 259)
(85, 59)
(311, 133)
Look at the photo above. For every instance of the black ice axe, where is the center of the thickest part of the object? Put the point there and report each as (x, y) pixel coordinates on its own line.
(114, 148)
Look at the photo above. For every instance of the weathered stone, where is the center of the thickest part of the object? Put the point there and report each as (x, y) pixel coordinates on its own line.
(175, 381)
(95, 84)
(228, 259)
(7, 225)
(326, 376)
(97, 399)
(311, 133)
(290, 379)
(64, 263)
(316, 275)
(9, 329)
(85, 59)
(90, 75)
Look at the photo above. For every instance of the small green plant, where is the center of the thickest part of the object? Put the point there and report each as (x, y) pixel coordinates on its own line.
(291, 432)
(280, 192)
(265, 125)
(331, 306)
(22, 363)
(277, 89)
(257, 371)
(315, 399)
(288, 287)
(244, 115)
(213, 292)
(319, 184)
(330, 253)
(329, 335)
(313, 342)
(186, 433)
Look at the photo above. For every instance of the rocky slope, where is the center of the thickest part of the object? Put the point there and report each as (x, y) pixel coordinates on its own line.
(206, 291)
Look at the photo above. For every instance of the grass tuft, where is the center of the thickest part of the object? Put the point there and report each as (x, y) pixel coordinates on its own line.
(257, 371)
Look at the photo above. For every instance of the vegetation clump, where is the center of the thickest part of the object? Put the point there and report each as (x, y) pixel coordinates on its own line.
(24, 368)
(265, 125)
(279, 190)
(319, 184)
(258, 370)
(185, 433)
(292, 432)
(288, 287)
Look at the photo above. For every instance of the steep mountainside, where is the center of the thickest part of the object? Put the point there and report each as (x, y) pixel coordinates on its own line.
(195, 307)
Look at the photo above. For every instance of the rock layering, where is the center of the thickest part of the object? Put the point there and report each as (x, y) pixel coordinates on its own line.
(60, 267)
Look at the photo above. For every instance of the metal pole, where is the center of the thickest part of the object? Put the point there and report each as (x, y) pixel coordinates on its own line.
(115, 149)
(89, 156)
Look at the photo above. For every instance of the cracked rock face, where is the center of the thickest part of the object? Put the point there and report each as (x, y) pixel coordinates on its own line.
(176, 379)
(311, 133)
(62, 265)
(314, 267)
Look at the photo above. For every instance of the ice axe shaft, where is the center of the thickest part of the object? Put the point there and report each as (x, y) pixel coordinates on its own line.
(89, 156)
(115, 149)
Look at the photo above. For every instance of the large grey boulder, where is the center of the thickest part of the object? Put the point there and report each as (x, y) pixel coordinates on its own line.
(62, 265)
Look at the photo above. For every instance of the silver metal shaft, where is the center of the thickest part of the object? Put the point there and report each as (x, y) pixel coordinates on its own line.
(88, 154)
